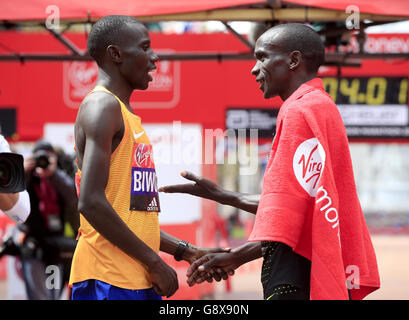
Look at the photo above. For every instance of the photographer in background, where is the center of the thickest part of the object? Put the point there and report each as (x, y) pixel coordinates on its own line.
(15, 205)
(53, 201)
(52, 193)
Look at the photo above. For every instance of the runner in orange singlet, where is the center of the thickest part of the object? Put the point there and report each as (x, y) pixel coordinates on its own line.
(119, 237)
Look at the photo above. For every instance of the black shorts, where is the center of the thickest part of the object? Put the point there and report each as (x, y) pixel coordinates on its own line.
(285, 275)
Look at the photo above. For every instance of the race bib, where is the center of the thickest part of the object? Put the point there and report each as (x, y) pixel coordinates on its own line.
(144, 188)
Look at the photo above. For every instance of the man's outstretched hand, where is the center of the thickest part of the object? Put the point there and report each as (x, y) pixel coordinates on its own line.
(205, 188)
(200, 187)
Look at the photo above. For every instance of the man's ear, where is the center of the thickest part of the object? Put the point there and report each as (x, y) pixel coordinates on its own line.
(295, 59)
(114, 52)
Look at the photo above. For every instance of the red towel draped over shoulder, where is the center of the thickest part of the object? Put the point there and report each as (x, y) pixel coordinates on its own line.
(309, 199)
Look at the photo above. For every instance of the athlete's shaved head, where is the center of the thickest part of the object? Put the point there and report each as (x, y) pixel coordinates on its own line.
(287, 56)
(298, 37)
(107, 31)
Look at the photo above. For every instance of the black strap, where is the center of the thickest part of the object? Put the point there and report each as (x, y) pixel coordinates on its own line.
(180, 249)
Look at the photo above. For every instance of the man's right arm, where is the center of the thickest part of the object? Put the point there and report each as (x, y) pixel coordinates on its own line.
(205, 188)
(100, 121)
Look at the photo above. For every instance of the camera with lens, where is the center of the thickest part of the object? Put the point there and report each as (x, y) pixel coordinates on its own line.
(12, 176)
(41, 159)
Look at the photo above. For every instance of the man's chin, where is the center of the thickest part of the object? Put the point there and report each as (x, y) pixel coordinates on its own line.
(140, 86)
(268, 94)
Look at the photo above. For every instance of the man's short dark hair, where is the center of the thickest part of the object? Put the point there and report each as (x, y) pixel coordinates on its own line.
(300, 37)
(106, 31)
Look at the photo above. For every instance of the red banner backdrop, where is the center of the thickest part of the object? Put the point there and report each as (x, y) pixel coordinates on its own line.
(188, 91)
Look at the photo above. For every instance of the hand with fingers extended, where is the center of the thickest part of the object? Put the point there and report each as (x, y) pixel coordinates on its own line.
(205, 188)
(164, 278)
(201, 187)
(212, 266)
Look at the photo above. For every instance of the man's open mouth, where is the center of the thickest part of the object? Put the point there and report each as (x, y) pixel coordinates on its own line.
(150, 71)
(261, 81)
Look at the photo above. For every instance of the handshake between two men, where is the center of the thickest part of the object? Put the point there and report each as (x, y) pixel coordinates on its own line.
(218, 263)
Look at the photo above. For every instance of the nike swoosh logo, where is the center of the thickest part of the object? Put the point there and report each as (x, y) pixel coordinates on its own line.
(137, 135)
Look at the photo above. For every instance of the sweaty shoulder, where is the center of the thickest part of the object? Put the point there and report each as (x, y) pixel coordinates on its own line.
(98, 102)
(97, 109)
(99, 119)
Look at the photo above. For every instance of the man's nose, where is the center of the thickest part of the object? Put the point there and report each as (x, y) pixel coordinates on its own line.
(154, 57)
(255, 69)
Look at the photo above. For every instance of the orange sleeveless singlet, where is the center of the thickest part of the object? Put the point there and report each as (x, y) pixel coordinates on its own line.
(132, 192)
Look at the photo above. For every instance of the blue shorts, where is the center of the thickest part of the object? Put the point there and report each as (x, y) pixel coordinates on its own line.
(98, 290)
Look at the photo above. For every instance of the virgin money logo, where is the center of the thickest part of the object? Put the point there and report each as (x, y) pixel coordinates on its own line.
(308, 163)
(143, 156)
(79, 79)
(82, 74)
